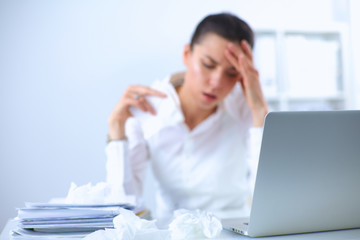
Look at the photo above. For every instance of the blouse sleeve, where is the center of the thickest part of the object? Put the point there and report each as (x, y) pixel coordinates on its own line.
(254, 145)
(238, 108)
(127, 160)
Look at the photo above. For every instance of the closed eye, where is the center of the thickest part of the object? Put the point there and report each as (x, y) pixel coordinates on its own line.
(210, 66)
(232, 74)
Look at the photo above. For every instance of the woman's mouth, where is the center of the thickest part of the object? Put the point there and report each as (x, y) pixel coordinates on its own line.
(209, 97)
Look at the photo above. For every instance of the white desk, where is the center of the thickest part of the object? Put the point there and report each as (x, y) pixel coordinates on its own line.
(353, 234)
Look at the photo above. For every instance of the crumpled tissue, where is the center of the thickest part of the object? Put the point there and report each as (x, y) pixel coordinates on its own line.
(194, 224)
(128, 226)
(100, 193)
(186, 225)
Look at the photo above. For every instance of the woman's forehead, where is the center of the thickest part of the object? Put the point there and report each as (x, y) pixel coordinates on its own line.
(212, 46)
(213, 40)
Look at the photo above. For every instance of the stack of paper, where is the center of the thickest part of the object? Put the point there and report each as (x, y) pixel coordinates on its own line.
(70, 220)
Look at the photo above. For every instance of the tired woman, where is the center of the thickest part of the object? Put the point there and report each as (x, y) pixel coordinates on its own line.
(199, 130)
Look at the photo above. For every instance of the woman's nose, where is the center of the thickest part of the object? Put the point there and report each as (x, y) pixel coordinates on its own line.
(216, 79)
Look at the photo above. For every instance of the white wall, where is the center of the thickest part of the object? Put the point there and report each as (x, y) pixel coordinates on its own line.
(64, 65)
(355, 50)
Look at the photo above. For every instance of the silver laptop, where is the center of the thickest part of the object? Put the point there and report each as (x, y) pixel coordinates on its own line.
(308, 178)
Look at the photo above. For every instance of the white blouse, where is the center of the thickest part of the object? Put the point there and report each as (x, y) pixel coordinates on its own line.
(211, 167)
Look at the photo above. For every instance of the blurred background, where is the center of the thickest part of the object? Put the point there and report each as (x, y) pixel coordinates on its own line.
(64, 65)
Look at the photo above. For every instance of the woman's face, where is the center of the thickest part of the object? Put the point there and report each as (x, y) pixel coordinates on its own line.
(209, 76)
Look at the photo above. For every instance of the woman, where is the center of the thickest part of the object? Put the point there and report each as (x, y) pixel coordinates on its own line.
(198, 130)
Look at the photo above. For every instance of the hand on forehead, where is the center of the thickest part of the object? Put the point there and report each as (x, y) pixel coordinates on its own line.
(213, 47)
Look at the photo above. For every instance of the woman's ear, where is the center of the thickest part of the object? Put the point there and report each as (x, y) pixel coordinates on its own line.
(186, 55)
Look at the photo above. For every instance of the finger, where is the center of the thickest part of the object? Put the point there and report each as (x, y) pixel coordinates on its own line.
(244, 59)
(242, 84)
(235, 49)
(242, 51)
(130, 100)
(232, 58)
(246, 49)
(140, 103)
(239, 54)
(148, 106)
(136, 103)
(238, 61)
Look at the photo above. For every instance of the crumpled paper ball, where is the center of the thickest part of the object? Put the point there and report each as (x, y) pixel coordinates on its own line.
(128, 226)
(99, 193)
(194, 224)
(186, 225)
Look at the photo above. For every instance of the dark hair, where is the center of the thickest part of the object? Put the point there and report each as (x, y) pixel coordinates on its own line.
(225, 25)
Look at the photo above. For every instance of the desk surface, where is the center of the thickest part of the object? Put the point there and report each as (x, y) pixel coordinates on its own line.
(353, 234)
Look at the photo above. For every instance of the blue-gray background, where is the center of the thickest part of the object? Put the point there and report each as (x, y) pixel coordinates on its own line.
(64, 65)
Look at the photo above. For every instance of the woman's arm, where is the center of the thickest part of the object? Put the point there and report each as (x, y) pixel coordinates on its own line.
(240, 56)
(253, 146)
(127, 161)
(127, 152)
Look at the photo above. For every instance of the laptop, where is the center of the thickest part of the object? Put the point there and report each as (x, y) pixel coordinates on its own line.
(308, 177)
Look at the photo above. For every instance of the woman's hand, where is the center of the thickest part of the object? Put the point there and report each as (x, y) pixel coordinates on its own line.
(240, 56)
(133, 96)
